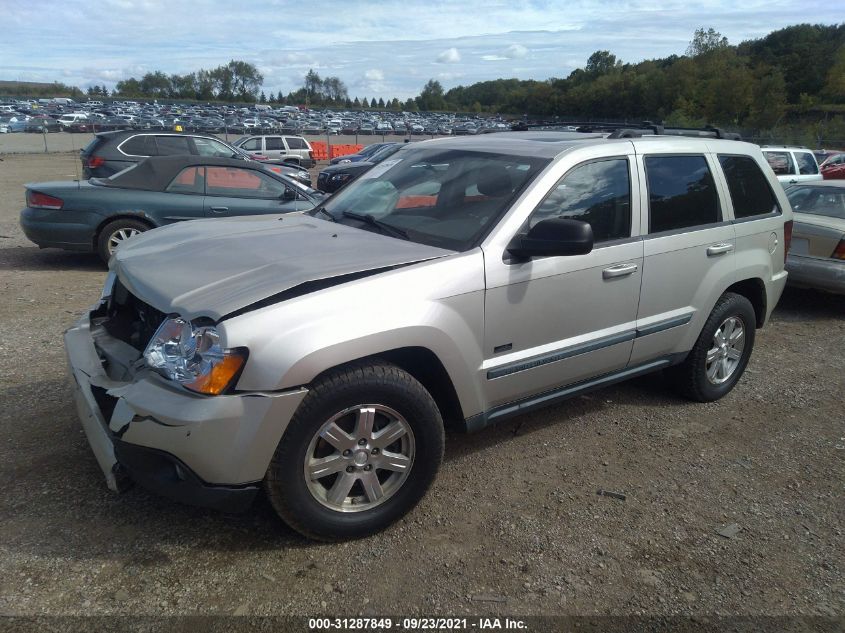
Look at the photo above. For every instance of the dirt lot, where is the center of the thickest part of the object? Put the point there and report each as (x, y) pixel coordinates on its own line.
(512, 525)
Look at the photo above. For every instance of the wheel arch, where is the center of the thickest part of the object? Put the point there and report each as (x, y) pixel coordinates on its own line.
(138, 217)
(425, 366)
(754, 290)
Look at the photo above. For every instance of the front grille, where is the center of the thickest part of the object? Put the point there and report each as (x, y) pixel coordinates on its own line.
(131, 320)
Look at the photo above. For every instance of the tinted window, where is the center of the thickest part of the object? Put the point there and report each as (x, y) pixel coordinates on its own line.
(780, 162)
(142, 145)
(295, 143)
(210, 147)
(598, 193)
(750, 191)
(681, 193)
(274, 142)
(826, 201)
(806, 163)
(241, 183)
(171, 145)
(252, 145)
(189, 180)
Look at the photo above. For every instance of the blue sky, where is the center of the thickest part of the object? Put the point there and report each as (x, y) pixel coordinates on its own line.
(382, 48)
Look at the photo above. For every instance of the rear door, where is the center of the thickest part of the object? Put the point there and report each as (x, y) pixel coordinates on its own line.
(689, 250)
(274, 147)
(807, 167)
(783, 164)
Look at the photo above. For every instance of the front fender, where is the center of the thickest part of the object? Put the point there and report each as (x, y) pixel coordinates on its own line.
(435, 305)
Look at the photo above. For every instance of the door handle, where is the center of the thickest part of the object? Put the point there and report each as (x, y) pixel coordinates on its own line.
(719, 249)
(219, 209)
(619, 270)
(793, 181)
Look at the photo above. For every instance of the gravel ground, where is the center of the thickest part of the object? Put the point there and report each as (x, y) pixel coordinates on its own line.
(512, 525)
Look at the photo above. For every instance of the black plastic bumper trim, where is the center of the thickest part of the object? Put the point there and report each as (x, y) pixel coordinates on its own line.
(166, 475)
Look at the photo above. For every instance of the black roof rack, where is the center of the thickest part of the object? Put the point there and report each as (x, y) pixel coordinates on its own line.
(631, 130)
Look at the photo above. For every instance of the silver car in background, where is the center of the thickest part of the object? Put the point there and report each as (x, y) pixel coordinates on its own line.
(817, 256)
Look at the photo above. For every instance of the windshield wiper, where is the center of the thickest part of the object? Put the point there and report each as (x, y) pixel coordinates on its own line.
(324, 212)
(368, 218)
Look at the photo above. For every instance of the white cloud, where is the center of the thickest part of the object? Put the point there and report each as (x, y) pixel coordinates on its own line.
(493, 58)
(449, 56)
(516, 51)
(374, 74)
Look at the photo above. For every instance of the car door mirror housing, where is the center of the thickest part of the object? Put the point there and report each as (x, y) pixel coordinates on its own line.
(552, 238)
(289, 194)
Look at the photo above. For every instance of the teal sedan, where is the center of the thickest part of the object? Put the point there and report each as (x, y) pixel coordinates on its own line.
(99, 214)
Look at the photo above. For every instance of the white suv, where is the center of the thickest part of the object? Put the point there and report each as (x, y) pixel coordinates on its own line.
(462, 281)
(792, 164)
(289, 149)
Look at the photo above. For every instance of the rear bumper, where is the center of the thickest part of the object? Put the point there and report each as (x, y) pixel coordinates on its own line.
(201, 450)
(50, 228)
(815, 272)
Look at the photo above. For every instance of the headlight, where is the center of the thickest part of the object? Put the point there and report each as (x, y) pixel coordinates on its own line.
(340, 177)
(192, 356)
(303, 174)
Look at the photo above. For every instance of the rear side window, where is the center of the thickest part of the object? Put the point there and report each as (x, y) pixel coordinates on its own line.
(749, 189)
(172, 145)
(295, 143)
(274, 142)
(189, 180)
(780, 162)
(681, 193)
(142, 145)
(241, 183)
(598, 193)
(806, 163)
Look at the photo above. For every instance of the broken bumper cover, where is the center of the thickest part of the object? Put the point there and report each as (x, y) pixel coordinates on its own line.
(211, 451)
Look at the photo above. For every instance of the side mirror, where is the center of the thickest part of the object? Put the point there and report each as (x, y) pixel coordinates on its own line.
(289, 194)
(553, 237)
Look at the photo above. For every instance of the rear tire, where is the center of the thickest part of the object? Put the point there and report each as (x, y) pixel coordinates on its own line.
(359, 453)
(721, 353)
(116, 232)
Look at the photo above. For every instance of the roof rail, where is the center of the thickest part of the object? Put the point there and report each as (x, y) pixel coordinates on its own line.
(647, 128)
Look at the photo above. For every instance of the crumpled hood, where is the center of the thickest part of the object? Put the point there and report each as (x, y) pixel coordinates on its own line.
(215, 267)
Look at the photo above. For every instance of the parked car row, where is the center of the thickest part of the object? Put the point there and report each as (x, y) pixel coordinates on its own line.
(110, 152)
(94, 116)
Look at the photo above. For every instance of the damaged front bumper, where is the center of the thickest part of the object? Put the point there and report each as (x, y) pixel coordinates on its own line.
(204, 450)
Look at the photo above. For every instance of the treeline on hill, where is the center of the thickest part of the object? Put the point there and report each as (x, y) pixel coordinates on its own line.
(752, 85)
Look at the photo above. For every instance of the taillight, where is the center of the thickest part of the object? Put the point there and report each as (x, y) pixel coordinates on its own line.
(38, 200)
(95, 161)
(839, 252)
(311, 154)
(787, 238)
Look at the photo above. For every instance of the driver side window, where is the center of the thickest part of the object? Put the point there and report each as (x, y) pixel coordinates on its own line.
(598, 193)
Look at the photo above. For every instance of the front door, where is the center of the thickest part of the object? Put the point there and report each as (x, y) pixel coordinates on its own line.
(556, 321)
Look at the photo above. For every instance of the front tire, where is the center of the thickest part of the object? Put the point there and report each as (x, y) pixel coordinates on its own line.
(721, 353)
(360, 452)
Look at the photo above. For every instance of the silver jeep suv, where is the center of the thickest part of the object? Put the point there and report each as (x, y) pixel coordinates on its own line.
(319, 356)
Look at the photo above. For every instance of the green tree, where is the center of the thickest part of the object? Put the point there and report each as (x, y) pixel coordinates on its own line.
(600, 63)
(704, 42)
(431, 97)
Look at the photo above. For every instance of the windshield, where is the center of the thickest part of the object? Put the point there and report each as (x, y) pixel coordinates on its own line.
(441, 197)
